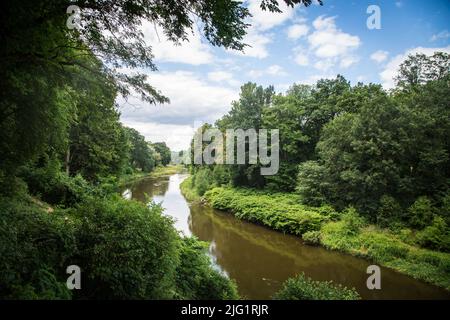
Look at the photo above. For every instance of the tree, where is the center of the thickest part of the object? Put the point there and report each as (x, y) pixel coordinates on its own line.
(164, 151)
(142, 156)
(419, 69)
(247, 113)
(97, 142)
(43, 56)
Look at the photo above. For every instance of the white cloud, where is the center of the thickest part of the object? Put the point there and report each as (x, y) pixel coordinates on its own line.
(257, 44)
(332, 45)
(261, 22)
(441, 35)
(324, 64)
(297, 31)
(218, 76)
(264, 19)
(391, 69)
(193, 51)
(348, 61)
(301, 60)
(361, 78)
(276, 70)
(399, 4)
(177, 137)
(328, 41)
(192, 99)
(301, 56)
(311, 80)
(273, 70)
(379, 56)
(223, 77)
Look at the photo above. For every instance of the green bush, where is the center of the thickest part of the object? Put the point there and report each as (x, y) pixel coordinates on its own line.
(221, 175)
(54, 186)
(35, 249)
(195, 277)
(303, 288)
(444, 209)
(311, 183)
(420, 213)
(278, 211)
(125, 249)
(188, 191)
(203, 181)
(311, 237)
(436, 236)
(352, 221)
(388, 212)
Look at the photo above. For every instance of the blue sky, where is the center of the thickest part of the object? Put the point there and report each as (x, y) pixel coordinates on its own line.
(296, 46)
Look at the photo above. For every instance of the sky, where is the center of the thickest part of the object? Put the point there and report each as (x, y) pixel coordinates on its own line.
(300, 45)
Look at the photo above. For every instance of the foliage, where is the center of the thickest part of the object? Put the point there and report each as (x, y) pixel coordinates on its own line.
(311, 237)
(311, 183)
(195, 279)
(97, 144)
(388, 212)
(188, 190)
(142, 156)
(203, 181)
(389, 250)
(163, 151)
(420, 213)
(50, 184)
(277, 211)
(436, 236)
(352, 221)
(127, 251)
(419, 69)
(303, 288)
(35, 247)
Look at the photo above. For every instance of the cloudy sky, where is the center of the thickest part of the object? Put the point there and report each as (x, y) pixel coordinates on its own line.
(296, 46)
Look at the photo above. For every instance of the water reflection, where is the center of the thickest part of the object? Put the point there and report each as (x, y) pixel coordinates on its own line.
(259, 259)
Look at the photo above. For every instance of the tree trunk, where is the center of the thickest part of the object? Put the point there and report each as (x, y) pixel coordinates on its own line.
(67, 161)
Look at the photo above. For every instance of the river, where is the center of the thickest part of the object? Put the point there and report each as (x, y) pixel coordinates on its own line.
(260, 259)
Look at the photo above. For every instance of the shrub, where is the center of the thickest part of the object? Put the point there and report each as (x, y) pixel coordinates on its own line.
(125, 249)
(311, 237)
(407, 236)
(389, 211)
(54, 186)
(445, 207)
(420, 213)
(195, 277)
(221, 175)
(203, 181)
(35, 249)
(352, 221)
(311, 183)
(303, 288)
(436, 236)
(276, 211)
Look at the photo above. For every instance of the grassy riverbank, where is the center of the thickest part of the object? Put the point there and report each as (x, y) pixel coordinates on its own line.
(188, 191)
(346, 232)
(156, 173)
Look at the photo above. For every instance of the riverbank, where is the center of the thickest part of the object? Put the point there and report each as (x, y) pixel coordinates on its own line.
(156, 173)
(333, 230)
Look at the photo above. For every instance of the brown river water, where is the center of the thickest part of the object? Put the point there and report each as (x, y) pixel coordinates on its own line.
(260, 259)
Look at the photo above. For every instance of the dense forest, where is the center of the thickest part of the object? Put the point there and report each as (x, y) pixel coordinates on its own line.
(64, 150)
(362, 170)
